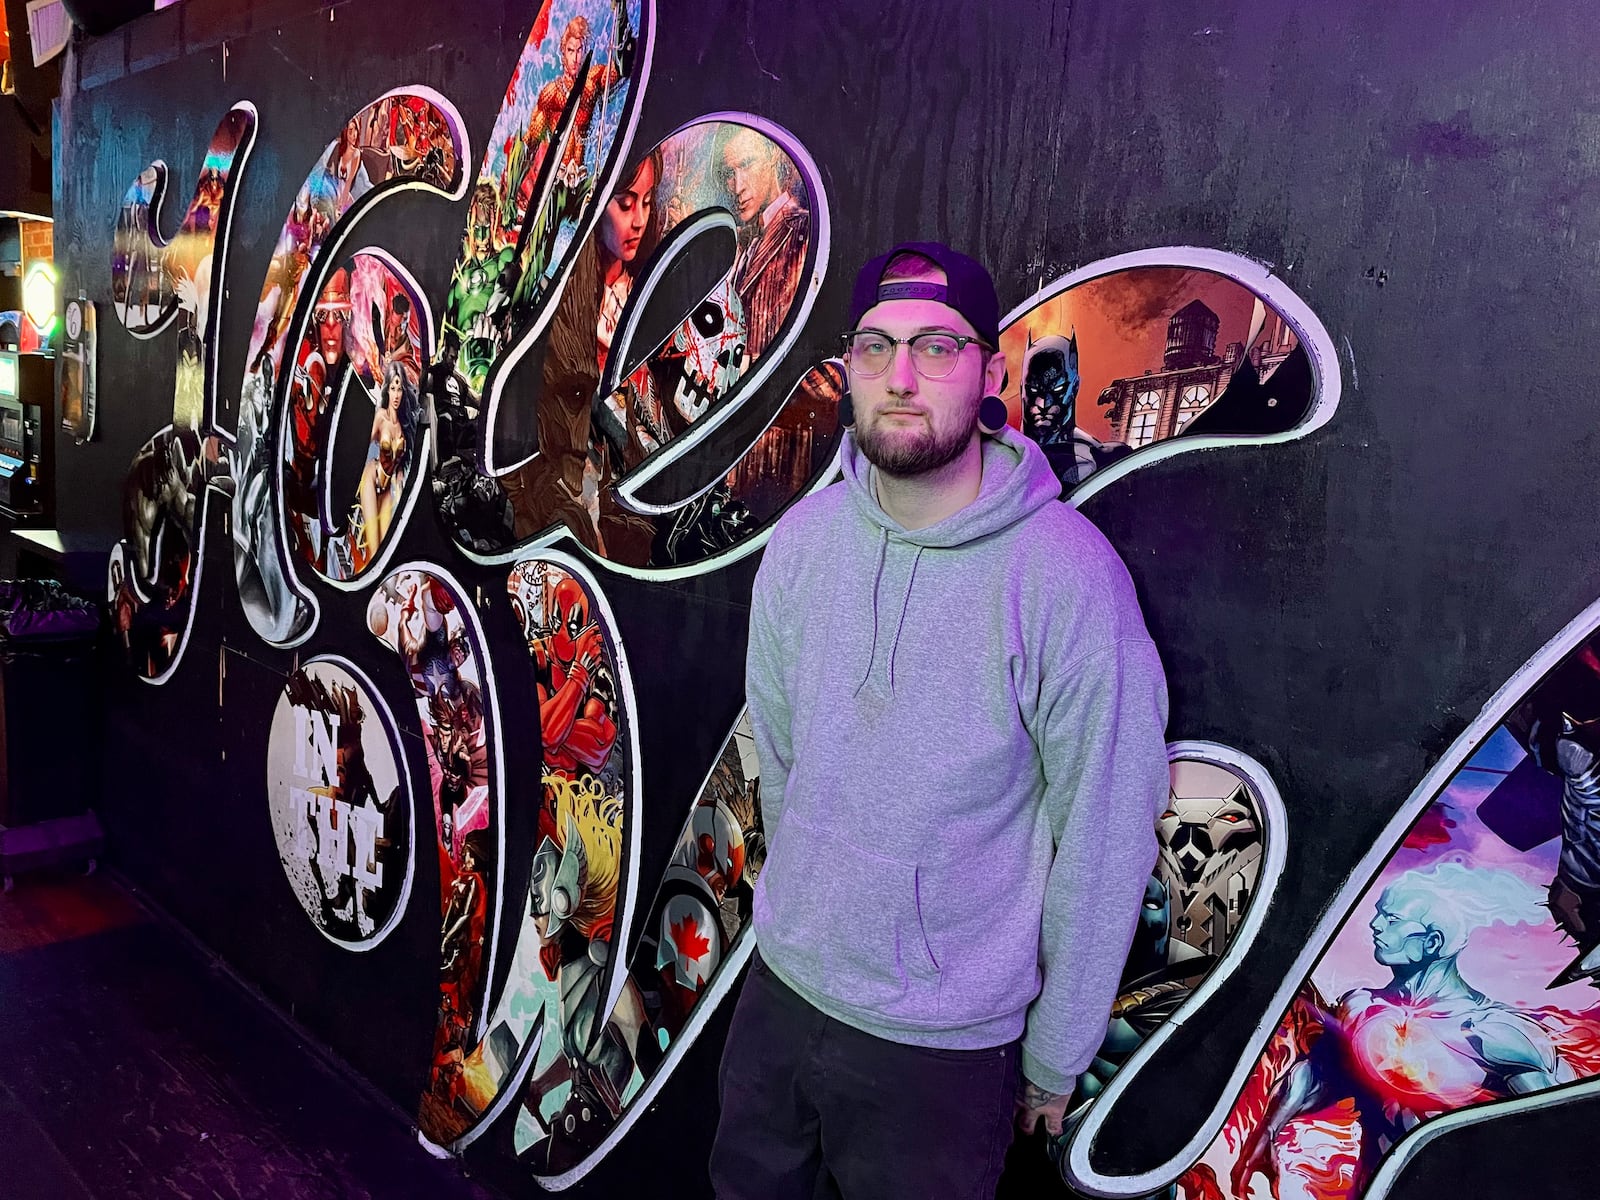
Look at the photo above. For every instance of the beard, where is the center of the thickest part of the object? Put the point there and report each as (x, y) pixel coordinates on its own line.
(906, 454)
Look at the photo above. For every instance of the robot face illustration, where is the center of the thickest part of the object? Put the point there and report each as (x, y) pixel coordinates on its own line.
(713, 847)
(1211, 845)
(1195, 830)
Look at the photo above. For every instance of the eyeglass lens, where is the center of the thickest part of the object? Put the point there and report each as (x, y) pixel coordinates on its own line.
(933, 355)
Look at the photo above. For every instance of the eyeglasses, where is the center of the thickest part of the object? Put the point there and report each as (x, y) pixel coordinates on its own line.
(933, 355)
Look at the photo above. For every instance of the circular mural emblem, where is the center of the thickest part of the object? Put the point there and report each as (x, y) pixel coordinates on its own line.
(340, 802)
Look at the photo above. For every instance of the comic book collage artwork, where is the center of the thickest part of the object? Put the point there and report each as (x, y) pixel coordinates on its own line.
(404, 140)
(1460, 974)
(368, 330)
(601, 1066)
(155, 569)
(1130, 358)
(563, 246)
(420, 614)
(340, 803)
(555, 1020)
(1221, 845)
(508, 479)
(600, 431)
(561, 127)
(1456, 974)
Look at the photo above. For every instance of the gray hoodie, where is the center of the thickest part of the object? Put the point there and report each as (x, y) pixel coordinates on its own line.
(961, 734)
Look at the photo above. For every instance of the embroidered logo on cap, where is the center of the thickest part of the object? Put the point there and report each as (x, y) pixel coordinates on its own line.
(913, 290)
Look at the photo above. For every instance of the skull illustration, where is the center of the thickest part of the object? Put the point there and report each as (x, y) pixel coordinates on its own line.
(709, 351)
(527, 586)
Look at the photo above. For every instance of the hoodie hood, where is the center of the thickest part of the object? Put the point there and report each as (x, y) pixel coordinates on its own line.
(1017, 481)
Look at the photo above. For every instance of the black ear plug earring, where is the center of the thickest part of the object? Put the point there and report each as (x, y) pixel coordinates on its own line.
(847, 410)
(992, 415)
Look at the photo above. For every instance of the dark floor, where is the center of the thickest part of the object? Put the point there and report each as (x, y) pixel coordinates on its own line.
(131, 1068)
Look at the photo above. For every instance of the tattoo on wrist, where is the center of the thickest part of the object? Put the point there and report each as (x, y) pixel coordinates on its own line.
(1034, 1096)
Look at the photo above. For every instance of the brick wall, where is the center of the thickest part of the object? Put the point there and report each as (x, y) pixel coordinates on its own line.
(37, 241)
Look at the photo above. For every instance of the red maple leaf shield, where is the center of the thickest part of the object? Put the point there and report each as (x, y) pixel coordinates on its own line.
(687, 938)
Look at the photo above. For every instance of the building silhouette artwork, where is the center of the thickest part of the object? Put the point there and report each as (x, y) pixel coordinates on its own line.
(1159, 404)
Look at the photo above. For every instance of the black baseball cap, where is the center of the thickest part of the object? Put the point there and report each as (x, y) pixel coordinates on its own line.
(968, 288)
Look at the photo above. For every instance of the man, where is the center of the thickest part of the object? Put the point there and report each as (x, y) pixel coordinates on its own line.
(774, 229)
(959, 717)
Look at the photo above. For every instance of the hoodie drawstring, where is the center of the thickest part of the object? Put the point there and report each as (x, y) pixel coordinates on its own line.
(877, 580)
(901, 624)
(905, 605)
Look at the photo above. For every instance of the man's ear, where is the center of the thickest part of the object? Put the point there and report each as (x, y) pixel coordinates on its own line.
(994, 374)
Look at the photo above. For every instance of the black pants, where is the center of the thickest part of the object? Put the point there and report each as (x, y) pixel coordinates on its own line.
(814, 1110)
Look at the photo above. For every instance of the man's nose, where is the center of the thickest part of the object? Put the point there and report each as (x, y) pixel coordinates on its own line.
(902, 376)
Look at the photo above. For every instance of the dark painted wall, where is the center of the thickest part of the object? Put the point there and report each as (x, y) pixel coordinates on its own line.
(1425, 176)
(27, 173)
(25, 122)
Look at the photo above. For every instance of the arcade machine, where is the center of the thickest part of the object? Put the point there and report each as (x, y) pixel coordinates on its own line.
(28, 329)
(27, 436)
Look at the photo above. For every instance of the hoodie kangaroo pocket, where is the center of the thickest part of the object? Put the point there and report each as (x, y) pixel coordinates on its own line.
(845, 923)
